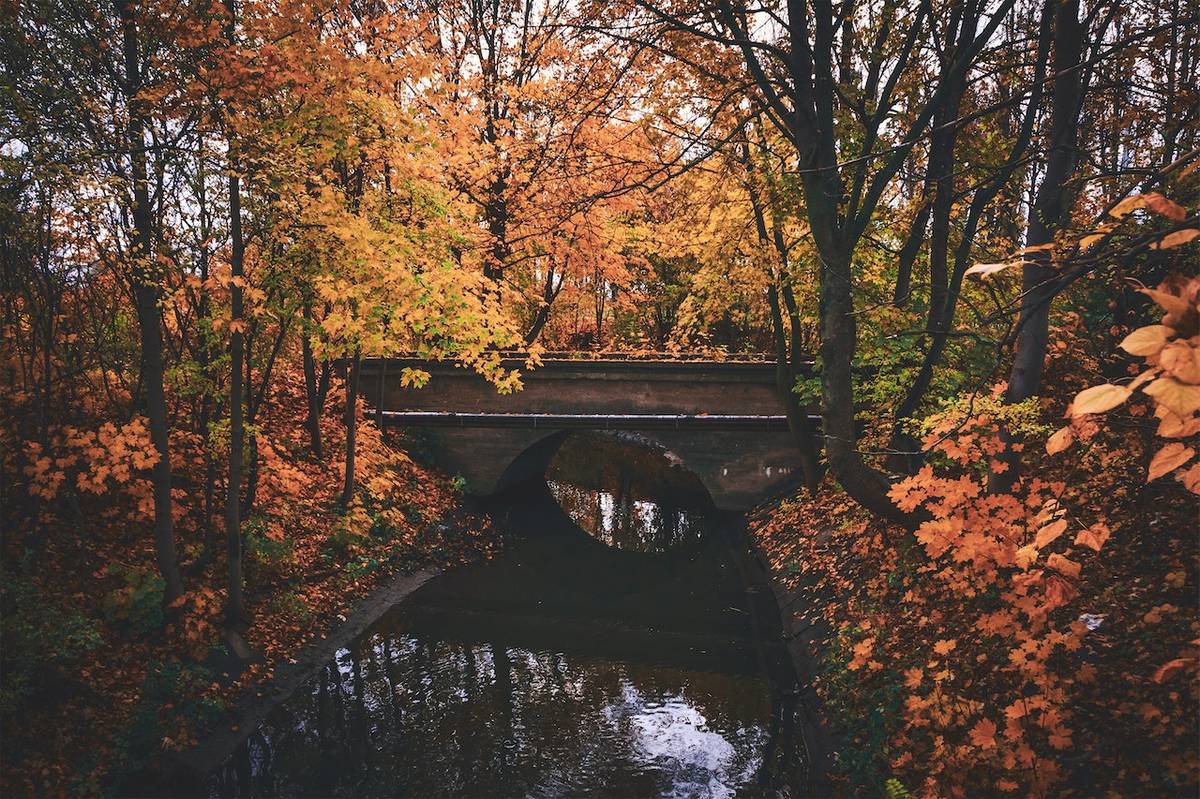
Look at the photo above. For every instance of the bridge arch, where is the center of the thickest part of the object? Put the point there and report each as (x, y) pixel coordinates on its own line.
(722, 421)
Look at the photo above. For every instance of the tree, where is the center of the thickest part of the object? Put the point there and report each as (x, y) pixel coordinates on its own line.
(829, 90)
(147, 275)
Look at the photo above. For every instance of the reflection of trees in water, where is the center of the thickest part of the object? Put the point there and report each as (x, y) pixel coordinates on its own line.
(622, 520)
(627, 495)
(419, 717)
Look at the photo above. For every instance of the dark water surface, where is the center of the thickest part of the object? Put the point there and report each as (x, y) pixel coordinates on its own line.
(624, 646)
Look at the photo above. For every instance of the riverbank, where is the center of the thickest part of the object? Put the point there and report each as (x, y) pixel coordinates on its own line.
(103, 686)
(1097, 696)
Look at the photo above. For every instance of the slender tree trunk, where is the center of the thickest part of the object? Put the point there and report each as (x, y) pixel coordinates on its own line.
(235, 612)
(146, 290)
(549, 293)
(599, 278)
(799, 424)
(311, 388)
(839, 336)
(1052, 207)
(204, 356)
(351, 419)
(1050, 211)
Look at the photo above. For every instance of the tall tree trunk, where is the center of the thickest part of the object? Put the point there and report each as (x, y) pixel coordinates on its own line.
(839, 337)
(542, 315)
(351, 419)
(1052, 207)
(799, 424)
(1049, 212)
(312, 393)
(146, 290)
(204, 359)
(235, 612)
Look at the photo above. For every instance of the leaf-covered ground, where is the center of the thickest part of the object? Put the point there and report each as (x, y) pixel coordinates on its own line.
(938, 680)
(98, 682)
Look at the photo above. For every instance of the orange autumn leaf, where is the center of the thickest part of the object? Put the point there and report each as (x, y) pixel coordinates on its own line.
(1165, 207)
(1093, 537)
(1168, 459)
(983, 734)
(1063, 565)
(1059, 441)
(1176, 239)
(1169, 669)
(944, 647)
(1050, 532)
(1191, 478)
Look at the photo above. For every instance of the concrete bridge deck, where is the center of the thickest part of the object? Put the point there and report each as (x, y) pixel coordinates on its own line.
(721, 420)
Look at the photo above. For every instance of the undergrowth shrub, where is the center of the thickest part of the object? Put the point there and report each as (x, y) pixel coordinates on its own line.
(135, 605)
(175, 703)
(43, 637)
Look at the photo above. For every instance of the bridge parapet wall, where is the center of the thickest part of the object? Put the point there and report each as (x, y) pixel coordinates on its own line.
(561, 386)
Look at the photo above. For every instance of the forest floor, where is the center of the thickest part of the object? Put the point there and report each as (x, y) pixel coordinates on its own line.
(101, 683)
(1114, 715)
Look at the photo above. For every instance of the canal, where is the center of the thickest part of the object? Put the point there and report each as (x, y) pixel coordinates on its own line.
(625, 645)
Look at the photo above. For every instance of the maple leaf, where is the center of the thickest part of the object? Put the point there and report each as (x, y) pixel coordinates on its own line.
(1026, 556)
(1060, 740)
(944, 647)
(983, 734)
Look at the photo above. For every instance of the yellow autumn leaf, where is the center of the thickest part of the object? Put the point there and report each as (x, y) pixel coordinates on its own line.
(1168, 459)
(1146, 340)
(1127, 205)
(1179, 397)
(983, 270)
(1099, 399)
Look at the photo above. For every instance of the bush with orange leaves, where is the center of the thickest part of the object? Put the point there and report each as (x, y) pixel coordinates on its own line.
(1037, 642)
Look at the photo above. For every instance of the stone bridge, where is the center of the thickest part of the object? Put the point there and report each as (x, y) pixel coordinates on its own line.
(721, 420)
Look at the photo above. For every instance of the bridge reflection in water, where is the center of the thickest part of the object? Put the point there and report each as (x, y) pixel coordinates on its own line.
(722, 421)
(620, 659)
